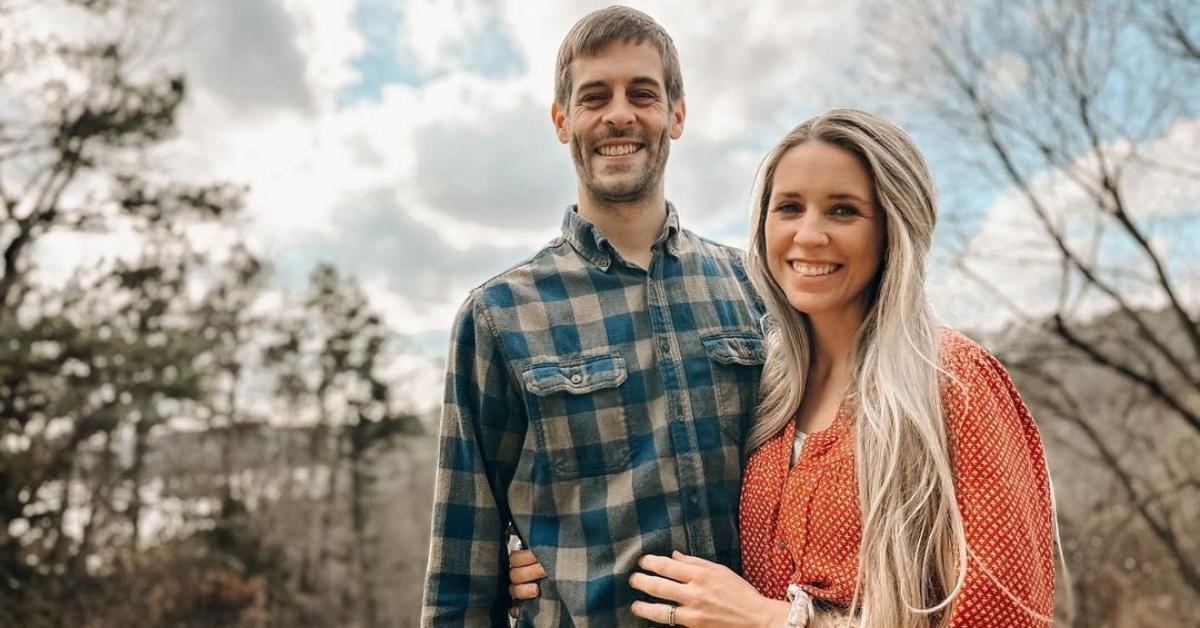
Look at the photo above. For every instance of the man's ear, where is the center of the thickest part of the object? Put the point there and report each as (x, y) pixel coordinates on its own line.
(559, 118)
(678, 114)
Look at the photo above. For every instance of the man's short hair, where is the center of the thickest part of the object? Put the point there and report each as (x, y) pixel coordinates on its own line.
(596, 30)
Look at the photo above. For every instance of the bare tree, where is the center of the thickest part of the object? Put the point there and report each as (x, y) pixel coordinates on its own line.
(1172, 26)
(1083, 113)
(1126, 496)
(330, 357)
(227, 319)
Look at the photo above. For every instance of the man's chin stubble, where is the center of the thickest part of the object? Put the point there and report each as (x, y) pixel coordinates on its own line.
(637, 190)
(630, 193)
(622, 194)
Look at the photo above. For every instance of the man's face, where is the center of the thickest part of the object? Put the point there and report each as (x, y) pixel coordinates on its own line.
(618, 122)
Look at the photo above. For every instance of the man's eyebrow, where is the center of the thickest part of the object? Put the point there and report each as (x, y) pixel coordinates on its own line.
(637, 80)
(644, 80)
(593, 85)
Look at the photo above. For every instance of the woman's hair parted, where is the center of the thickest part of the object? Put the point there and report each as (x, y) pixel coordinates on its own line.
(913, 556)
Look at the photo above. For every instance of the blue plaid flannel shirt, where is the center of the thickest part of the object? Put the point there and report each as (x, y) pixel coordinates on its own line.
(602, 409)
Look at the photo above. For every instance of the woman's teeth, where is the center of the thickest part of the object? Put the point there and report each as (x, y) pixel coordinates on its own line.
(813, 270)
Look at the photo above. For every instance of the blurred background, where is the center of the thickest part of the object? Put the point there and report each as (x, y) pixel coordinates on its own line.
(235, 233)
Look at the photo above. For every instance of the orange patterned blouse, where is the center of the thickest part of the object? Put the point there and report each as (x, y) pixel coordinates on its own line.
(802, 524)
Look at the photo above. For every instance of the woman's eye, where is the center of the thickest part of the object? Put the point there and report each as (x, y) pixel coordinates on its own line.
(844, 210)
(789, 208)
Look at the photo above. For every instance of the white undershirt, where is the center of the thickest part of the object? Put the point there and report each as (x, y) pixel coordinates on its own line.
(797, 445)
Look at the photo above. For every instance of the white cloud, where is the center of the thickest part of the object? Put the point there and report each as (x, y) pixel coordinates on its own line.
(437, 29)
(437, 183)
(1013, 252)
(506, 170)
(1007, 74)
(419, 317)
(467, 161)
(449, 177)
(325, 33)
(417, 382)
(247, 52)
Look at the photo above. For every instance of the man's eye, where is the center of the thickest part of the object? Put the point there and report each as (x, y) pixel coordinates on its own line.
(644, 96)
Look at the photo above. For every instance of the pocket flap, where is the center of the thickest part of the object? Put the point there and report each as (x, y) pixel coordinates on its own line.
(744, 349)
(576, 376)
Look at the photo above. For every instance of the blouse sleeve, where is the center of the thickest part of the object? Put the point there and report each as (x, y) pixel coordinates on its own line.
(1003, 493)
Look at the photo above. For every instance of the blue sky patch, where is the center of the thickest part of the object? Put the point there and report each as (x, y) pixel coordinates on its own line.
(389, 59)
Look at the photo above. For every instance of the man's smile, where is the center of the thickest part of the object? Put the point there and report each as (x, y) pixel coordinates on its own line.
(618, 150)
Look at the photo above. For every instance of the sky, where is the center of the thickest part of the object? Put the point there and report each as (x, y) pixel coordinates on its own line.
(409, 141)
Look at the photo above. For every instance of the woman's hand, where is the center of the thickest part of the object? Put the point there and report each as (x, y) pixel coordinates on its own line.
(704, 594)
(524, 571)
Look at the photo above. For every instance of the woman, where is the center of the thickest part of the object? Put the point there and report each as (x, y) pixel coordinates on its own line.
(919, 496)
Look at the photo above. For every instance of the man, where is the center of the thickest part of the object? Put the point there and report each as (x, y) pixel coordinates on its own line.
(598, 393)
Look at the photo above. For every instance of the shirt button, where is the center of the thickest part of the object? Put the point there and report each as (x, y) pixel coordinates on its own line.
(665, 345)
(576, 378)
(694, 498)
(781, 544)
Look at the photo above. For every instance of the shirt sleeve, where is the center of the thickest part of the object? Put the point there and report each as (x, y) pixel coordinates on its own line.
(482, 430)
(1003, 492)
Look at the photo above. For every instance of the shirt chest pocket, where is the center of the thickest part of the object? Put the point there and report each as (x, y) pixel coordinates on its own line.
(736, 361)
(577, 408)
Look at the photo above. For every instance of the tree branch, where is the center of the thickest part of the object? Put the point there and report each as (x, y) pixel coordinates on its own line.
(1071, 410)
(1119, 211)
(985, 117)
(1151, 385)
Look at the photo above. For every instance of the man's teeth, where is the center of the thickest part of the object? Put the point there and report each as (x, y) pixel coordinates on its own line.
(813, 270)
(618, 150)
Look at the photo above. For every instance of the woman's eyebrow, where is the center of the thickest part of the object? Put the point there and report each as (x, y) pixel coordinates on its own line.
(847, 195)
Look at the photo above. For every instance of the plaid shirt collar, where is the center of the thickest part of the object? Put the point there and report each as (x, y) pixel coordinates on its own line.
(593, 246)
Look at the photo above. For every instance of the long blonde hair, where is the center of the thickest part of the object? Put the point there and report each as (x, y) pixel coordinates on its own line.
(913, 557)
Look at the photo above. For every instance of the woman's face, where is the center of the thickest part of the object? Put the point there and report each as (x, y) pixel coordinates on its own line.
(823, 232)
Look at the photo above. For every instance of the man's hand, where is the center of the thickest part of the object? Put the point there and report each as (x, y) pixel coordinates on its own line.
(524, 571)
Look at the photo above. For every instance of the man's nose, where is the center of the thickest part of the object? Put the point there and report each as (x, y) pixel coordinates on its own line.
(619, 113)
